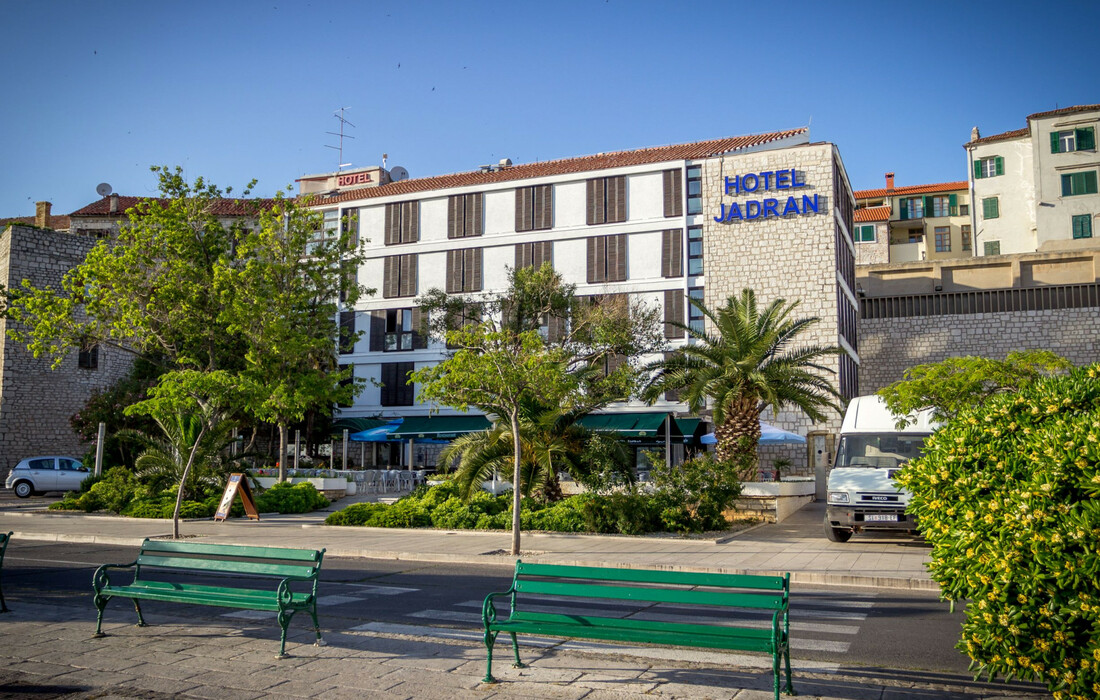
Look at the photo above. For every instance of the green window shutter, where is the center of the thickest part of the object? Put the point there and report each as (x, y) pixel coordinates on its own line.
(999, 164)
(953, 204)
(1088, 182)
(1055, 142)
(1086, 139)
(977, 170)
(990, 208)
(928, 206)
(903, 209)
(1067, 185)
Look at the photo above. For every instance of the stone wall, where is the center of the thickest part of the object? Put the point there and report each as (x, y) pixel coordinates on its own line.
(36, 402)
(889, 346)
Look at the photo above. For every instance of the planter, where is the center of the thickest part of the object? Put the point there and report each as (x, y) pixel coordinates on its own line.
(771, 489)
(774, 501)
(350, 488)
(319, 483)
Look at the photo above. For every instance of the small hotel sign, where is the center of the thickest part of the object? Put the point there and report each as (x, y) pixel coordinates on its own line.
(766, 181)
(351, 179)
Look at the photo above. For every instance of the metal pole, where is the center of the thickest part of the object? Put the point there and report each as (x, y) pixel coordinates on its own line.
(297, 446)
(668, 440)
(345, 448)
(99, 449)
(362, 455)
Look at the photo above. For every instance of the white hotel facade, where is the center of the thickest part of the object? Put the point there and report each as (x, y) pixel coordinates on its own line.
(769, 211)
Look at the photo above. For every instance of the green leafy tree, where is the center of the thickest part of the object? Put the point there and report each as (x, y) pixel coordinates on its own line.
(948, 386)
(163, 460)
(1007, 493)
(748, 362)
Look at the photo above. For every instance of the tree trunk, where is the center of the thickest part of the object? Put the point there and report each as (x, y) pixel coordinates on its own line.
(737, 437)
(515, 483)
(282, 452)
(183, 480)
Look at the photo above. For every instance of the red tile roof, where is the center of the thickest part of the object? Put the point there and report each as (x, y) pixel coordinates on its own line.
(1064, 110)
(599, 161)
(911, 189)
(220, 207)
(57, 223)
(1015, 134)
(868, 214)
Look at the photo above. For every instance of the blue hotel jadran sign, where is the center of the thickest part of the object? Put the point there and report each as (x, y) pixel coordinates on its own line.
(766, 181)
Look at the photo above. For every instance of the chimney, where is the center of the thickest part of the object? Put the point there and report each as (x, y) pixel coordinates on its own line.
(42, 214)
(975, 134)
(889, 181)
(114, 204)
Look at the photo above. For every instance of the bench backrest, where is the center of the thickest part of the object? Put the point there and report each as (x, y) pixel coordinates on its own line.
(166, 555)
(728, 590)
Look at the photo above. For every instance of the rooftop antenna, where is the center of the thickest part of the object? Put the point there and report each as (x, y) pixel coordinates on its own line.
(340, 115)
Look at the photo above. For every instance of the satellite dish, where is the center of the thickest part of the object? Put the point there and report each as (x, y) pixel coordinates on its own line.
(103, 189)
(397, 174)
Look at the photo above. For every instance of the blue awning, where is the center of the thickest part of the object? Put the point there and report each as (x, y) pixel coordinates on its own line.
(379, 434)
(769, 435)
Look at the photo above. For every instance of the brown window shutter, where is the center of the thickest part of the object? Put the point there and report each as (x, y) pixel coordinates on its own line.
(454, 271)
(616, 258)
(408, 276)
(674, 193)
(377, 331)
(543, 253)
(387, 374)
(474, 214)
(616, 199)
(389, 276)
(410, 222)
(524, 197)
(672, 254)
(420, 334)
(597, 252)
(674, 394)
(557, 329)
(674, 313)
(594, 201)
(347, 332)
(408, 389)
(454, 215)
(393, 224)
(473, 270)
(543, 207)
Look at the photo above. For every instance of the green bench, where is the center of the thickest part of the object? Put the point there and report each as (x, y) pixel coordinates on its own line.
(4, 539)
(161, 562)
(726, 593)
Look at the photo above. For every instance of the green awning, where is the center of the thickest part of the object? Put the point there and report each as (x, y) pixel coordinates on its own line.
(439, 427)
(629, 425)
(356, 425)
(689, 427)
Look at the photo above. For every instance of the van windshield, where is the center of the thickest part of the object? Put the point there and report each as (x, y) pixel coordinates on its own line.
(880, 451)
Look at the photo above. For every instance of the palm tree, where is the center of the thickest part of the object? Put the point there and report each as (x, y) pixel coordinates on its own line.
(745, 366)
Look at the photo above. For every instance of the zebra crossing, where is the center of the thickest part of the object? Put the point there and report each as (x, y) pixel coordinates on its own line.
(825, 623)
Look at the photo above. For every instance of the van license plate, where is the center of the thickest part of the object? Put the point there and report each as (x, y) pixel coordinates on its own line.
(881, 517)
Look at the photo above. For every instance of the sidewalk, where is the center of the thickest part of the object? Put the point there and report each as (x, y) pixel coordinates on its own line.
(797, 545)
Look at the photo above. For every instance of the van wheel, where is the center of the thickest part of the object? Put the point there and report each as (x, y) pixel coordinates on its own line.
(836, 534)
(23, 489)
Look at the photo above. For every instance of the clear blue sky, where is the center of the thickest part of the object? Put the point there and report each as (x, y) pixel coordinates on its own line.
(98, 91)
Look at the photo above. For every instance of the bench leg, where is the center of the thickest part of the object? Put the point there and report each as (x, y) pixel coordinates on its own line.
(515, 651)
(490, 638)
(100, 604)
(775, 673)
(284, 622)
(3, 605)
(787, 660)
(141, 620)
(316, 625)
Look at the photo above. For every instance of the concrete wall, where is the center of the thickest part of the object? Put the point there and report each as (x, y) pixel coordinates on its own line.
(35, 401)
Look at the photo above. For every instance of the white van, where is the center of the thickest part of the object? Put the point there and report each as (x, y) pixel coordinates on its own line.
(862, 493)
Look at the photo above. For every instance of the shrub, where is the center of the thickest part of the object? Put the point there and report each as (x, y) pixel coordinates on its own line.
(697, 493)
(113, 491)
(1007, 493)
(286, 498)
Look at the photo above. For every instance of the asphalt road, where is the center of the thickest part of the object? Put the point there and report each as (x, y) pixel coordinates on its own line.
(906, 631)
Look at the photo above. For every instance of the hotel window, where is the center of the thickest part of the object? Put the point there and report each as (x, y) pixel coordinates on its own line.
(349, 224)
(673, 181)
(402, 223)
(992, 247)
(865, 233)
(397, 390)
(399, 330)
(534, 208)
(399, 276)
(695, 250)
(465, 215)
(674, 313)
(458, 318)
(1079, 183)
(606, 259)
(347, 332)
(991, 208)
(1082, 226)
(464, 270)
(695, 316)
(695, 189)
(943, 239)
(989, 167)
(534, 254)
(605, 200)
(89, 357)
(911, 208)
(672, 253)
(1073, 140)
(966, 236)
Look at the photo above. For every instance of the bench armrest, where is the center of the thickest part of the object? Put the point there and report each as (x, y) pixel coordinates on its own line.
(285, 595)
(489, 611)
(100, 580)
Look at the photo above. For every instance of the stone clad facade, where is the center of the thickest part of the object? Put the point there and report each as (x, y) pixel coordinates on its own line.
(36, 402)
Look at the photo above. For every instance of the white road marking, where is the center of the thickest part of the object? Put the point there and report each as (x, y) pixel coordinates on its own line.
(337, 599)
(366, 589)
(250, 615)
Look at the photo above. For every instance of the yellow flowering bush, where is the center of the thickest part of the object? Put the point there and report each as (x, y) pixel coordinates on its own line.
(1008, 494)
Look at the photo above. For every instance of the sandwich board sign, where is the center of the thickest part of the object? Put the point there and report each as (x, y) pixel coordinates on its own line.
(237, 484)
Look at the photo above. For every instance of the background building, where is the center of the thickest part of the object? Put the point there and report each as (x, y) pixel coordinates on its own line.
(1035, 189)
(915, 222)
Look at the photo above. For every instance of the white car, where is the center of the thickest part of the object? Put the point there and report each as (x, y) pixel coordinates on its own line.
(36, 475)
